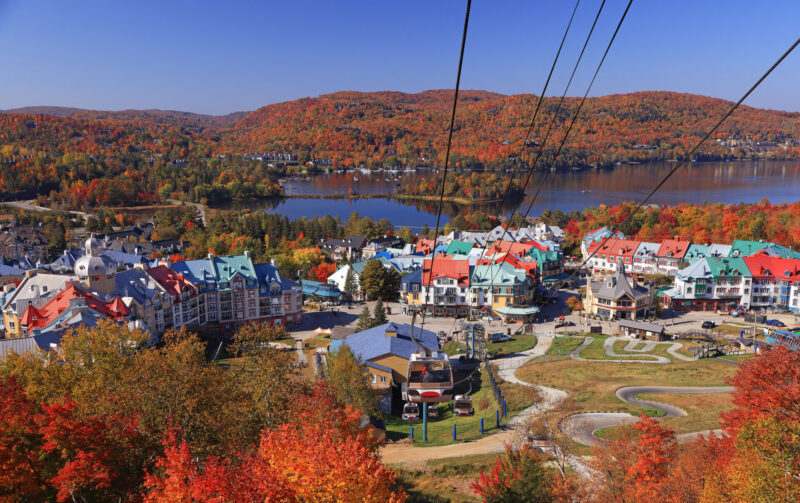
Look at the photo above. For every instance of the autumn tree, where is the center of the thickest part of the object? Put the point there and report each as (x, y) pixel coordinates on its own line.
(350, 381)
(518, 475)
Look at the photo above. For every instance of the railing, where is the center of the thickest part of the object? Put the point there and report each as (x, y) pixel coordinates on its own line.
(498, 393)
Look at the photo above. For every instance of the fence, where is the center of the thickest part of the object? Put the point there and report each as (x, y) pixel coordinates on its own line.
(498, 393)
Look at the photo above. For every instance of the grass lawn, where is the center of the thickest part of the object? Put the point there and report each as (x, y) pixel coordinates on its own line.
(740, 358)
(440, 430)
(515, 345)
(730, 329)
(703, 410)
(592, 384)
(454, 347)
(563, 346)
(445, 480)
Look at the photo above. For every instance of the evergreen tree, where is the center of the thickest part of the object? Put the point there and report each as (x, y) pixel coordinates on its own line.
(350, 283)
(364, 321)
(379, 314)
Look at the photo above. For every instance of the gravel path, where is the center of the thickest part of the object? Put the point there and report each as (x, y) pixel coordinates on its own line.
(608, 347)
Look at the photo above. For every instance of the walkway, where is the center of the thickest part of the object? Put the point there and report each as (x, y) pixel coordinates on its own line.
(608, 347)
(585, 425)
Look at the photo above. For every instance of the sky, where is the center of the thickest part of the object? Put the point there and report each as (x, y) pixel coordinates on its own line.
(219, 57)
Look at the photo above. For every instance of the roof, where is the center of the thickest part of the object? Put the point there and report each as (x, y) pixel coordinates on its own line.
(716, 250)
(615, 247)
(600, 234)
(646, 250)
(459, 248)
(728, 267)
(378, 366)
(696, 252)
(446, 268)
(199, 271)
(7, 270)
(74, 294)
(374, 342)
(127, 259)
(320, 289)
(673, 248)
(497, 274)
(779, 251)
(25, 345)
(358, 267)
(35, 288)
(742, 248)
(135, 284)
(227, 267)
(541, 257)
(172, 281)
(640, 325)
(525, 311)
(697, 270)
(512, 247)
(763, 266)
(617, 285)
(412, 277)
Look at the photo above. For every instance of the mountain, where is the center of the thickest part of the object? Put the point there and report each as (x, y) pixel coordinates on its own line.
(170, 117)
(352, 128)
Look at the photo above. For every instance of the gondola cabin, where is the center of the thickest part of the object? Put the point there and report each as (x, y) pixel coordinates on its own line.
(429, 378)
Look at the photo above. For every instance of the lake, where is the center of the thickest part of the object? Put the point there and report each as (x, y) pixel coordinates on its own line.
(726, 182)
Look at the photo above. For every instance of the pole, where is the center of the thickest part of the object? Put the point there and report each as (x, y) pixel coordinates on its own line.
(454, 432)
(497, 417)
(424, 421)
(481, 426)
(412, 433)
(504, 407)
(472, 355)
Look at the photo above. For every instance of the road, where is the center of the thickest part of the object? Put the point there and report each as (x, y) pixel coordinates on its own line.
(30, 205)
(199, 207)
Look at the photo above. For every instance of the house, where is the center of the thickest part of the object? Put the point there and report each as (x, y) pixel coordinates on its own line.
(696, 252)
(544, 232)
(549, 265)
(776, 281)
(644, 258)
(461, 248)
(348, 248)
(445, 287)
(642, 330)
(10, 274)
(779, 251)
(339, 278)
(610, 254)
(185, 296)
(710, 284)
(743, 248)
(387, 349)
(34, 290)
(28, 345)
(597, 236)
(670, 255)
(411, 289)
(146, 298)
(18, 241)
(618, 297)
(499, 285)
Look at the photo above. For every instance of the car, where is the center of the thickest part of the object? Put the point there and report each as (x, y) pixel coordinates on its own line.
(462, 406)
(410, 412)
(433, 410)
(775, 323)
(498, 337)
(708, 324)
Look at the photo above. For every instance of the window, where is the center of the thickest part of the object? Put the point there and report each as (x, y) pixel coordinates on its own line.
(383, 378)
(252, 313)
(374, 379)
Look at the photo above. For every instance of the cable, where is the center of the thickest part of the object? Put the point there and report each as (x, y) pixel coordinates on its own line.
(682, 162)
(550, 127)
(447, 157)
(541, 98)
(574, 118)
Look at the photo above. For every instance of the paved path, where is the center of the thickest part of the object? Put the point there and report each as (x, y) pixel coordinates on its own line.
(31, 205)
(608, 346)
(586, 424)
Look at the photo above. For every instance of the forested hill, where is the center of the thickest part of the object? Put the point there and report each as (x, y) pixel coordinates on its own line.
(153, 116)
(351, 128)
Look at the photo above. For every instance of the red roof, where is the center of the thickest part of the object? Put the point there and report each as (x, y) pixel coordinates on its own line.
(673, 248)
(41, 317)
(172, 281)
(424, 246)
(615, 248)
(783, 269)
(446, 268)
(512, 247)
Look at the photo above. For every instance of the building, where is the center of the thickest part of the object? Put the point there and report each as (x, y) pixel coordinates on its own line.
(18, 241)
(348, 248)
(618, 297)
(494, 286)
(670, 255)
(596, 236)
(644, 258)
(776, 281)
(549, 265)
(642, 330)
(743, 248)
(459, 248)
(411, 289)
(695, 253)
(609, 254)
(35, 290)
(445, 287)
(387, 349)
(185, 297)
(148, 301)
(711, 284)
(339, 278)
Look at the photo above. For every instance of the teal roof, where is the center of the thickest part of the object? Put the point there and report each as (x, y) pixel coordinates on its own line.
(226, 268)
(741, 248)
(696, 252)
(781, 251)
(542, 257)
(730, 267)
(459, 248)
(497, 275)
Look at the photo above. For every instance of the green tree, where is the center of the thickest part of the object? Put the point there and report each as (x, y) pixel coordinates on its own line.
(350, 381)
(391, 284)
(373, 279)
(364, 321)
(350, 286)
(379, 314)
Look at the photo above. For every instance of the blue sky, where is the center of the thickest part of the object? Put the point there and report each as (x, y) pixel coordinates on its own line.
(219, 57)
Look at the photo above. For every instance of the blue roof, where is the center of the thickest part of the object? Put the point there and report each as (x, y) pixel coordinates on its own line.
(374, 342)
(66, 261)
(412, 277)
(784, 337)
(199, 272)
(320, 289)
(127, 259)
(7, 270)
(136, 284)
(378, 366)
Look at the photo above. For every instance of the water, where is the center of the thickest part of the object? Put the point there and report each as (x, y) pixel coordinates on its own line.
(726, 182)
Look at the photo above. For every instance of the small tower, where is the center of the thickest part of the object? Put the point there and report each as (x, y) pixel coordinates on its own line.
(95, 270)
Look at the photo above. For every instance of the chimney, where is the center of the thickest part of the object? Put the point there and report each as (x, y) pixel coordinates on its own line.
(391, 330)
(247, 254)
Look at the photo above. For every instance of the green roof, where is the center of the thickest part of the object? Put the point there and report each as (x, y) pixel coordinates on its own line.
(741, 248)
(541, 257)
(696, 252)
(502, 274)
(729, 267)
(225, 268)
(459, 248)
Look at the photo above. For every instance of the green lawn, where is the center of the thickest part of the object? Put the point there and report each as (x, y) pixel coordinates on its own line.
(454, 347)
(740, 358)
(515, 345)
(440, 430)
(563, 346)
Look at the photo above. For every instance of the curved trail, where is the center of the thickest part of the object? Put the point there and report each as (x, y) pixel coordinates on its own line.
(608, 347)
(586, 424)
